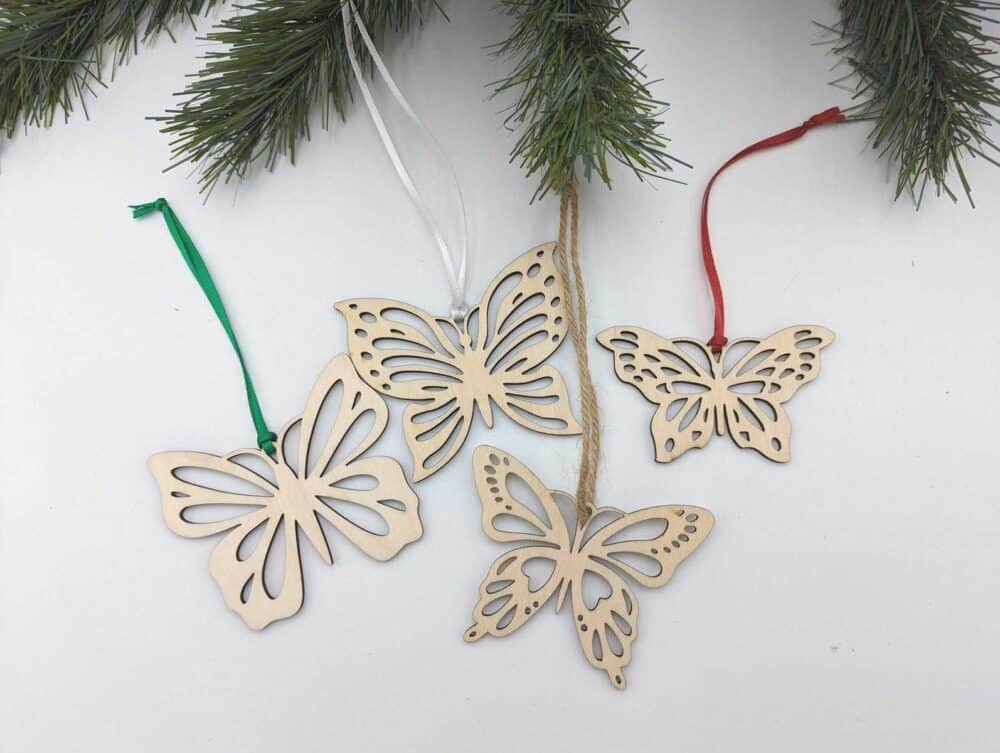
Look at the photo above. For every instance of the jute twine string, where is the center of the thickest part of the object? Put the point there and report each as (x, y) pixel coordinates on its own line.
(568, 260)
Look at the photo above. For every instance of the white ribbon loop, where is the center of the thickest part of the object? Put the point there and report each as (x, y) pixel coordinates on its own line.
(456, 278)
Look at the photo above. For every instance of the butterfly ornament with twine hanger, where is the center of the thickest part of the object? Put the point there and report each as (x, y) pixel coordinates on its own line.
(737, 387)
(606, 545)
(316, 471)
(452, 368)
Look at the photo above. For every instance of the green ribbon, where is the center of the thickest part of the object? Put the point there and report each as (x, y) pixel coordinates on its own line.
(265, 437)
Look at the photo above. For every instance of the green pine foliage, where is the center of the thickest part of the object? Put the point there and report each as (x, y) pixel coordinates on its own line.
(927, 77)
(582, 98)
(53, 52)
(278, 60)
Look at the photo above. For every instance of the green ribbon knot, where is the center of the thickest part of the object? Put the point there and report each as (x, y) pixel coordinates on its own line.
(265, 437)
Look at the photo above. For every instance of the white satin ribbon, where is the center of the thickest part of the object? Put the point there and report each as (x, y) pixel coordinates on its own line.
(456, 277)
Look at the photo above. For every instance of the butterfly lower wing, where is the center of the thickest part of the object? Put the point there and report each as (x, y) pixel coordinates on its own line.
(537, 400)
(238, 562)
(435, 431)
(607, 628)
(767, 376)
(386, 494)
(676, 376)
(506, 598)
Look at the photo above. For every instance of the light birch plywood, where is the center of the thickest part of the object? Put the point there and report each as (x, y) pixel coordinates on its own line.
(609, 546)
(313, 477)
(452, 369)
(740, 390)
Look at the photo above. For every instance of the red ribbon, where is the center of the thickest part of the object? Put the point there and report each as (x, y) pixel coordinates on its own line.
(833, 115)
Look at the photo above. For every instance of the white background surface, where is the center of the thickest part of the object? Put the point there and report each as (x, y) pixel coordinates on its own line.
(846, 600)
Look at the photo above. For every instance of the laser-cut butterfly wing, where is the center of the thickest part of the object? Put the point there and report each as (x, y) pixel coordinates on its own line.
(608, 628)
(507, 598)
(602, 549)
(450, 372)
(261, 497)
(676, 375)
(763, 379)
(238, 569)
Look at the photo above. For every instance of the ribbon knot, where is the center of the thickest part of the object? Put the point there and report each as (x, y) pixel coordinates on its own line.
(266, 440)
(717, 343)
(831, 115)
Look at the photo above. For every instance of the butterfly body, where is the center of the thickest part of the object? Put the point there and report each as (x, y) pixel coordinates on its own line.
(600, 549)
(739, 390)
(308, 482)
(449, 372)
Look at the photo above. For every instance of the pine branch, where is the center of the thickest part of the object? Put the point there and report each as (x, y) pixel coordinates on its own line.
(253, 100)
(52, 52)
(927, 79)
(582, 98)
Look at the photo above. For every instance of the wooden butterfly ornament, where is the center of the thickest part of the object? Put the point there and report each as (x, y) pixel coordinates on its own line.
(316, 475)
(607, 547)
(452, 369)
(740, 390)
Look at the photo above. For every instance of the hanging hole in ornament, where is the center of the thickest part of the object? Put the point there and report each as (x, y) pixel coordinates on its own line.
(358, 515)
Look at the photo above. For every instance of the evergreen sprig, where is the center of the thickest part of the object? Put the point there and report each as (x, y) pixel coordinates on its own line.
(253, 99)
(927, 78)
(53, 52)
(582, 97)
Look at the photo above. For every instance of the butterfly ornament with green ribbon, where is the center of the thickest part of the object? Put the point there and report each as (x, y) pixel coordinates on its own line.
(292, 482)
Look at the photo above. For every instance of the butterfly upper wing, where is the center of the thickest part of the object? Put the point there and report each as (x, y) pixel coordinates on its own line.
(770, 374)
(330, 471)
(402, 351)
(673, 379)
(239, 574)
(506, 597)
(519, 324)
(608, 628)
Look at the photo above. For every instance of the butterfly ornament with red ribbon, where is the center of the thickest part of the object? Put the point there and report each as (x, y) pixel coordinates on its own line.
(720, 386)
